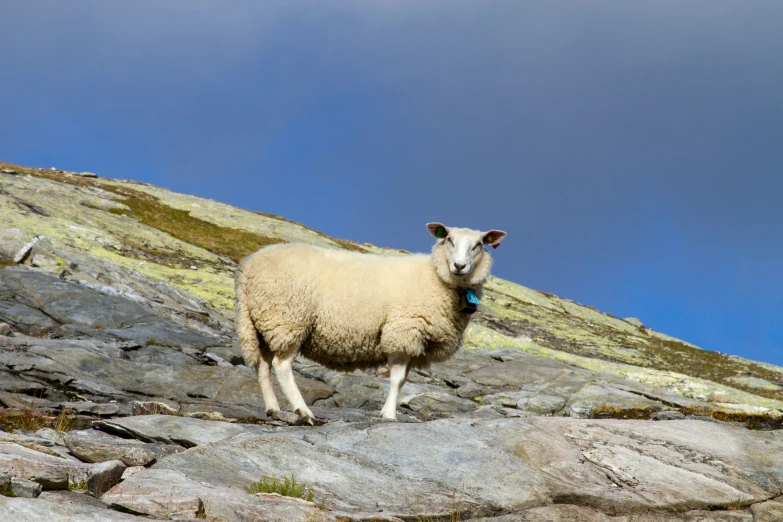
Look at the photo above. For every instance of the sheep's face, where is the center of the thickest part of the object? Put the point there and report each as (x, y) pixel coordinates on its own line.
(463, 248)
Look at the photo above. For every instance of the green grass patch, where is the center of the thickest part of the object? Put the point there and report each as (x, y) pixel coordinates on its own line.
(287, 487)
(7, 489)
(76, 486)
(180, 224)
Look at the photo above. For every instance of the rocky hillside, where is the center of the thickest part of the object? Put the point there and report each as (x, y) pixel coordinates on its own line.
(123, 395)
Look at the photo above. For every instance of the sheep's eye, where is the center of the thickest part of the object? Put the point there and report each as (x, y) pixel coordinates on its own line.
(476, 246)
(450, 241)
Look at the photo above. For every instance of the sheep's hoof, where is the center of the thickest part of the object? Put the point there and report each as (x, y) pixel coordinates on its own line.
(307, 417)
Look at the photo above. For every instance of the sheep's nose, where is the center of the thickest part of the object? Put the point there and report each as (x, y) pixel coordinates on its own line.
(459, 266)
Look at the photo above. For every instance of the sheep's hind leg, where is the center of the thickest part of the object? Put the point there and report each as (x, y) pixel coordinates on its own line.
(283, 365)
(264, 371)
(399, 366)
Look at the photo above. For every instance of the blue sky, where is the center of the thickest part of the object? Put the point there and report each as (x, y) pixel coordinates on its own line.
(632, 150)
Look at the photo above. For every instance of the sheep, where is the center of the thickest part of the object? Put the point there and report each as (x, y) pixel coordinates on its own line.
(350, 310)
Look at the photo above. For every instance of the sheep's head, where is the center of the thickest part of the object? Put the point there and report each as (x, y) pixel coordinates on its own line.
(459, 254)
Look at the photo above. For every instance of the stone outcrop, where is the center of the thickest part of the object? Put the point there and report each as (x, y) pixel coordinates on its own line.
(122, 395)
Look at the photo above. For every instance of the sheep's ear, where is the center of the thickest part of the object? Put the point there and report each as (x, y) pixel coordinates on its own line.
(438, 230)
(493, 237)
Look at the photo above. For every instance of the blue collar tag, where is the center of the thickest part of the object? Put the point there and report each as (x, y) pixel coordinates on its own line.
(468, 302)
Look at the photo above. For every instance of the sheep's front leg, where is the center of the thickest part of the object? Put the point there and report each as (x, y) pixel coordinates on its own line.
(399, 366)
(283, 365)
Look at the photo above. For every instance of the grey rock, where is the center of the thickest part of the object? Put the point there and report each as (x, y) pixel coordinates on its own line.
(471, 390)
(102, 477)
(155, 407)
(506, 465)
(43, 260)
(541, 404)
(96, 446)
(231, 354)
(25, 488)
(434, 403)
(506, 399)
(130, 471)
(70, 303)
(26, 319)
(91, 408)
(13, 384)
(287, 417)
(578, 411)
(602, 396)
(767, 511)
(634, 321)
(5, 329)
(161, 355)
(51, 435)
(24, 251)
(169, 494)
(51, 472)
(187, 432)
(84, 174)
(501, 357)
(667, 415)
(57, 509)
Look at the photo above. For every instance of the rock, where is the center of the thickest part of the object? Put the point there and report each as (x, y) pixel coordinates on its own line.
(506, 465)
(25, 488)
(44, 260)
(613, 401)
(11, 241)
(51, 435)
(471, 390)
(49, 471)
(21, 255)
(580, 412)
(102, 477)
(767, 511)
(5, 329)
(187, 432)
(13, 384)
(74, 304)
(132, 470)
(228, 353)
(541, 404)
(501, 357)
(57, 509)
(667, 415)
(96, 446)
(634, 321)
(155, 407)
(85, 174)
(8, 171)
(26, 319)
(102, 410)
(162, 355)
(169, 494)
(430, 402)
(287, 417)
(506, 399)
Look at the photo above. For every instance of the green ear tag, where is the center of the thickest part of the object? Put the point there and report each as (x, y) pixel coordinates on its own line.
(441, 232)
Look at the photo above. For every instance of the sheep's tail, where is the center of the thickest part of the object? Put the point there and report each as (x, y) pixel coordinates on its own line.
(247, 335)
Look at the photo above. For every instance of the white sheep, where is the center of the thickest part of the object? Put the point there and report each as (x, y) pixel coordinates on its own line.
(348, 310)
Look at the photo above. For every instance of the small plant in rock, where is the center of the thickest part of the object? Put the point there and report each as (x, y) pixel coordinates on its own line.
(77, 486)
(287, 487)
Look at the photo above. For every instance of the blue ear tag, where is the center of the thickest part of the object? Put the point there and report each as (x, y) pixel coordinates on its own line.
(468, 300)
